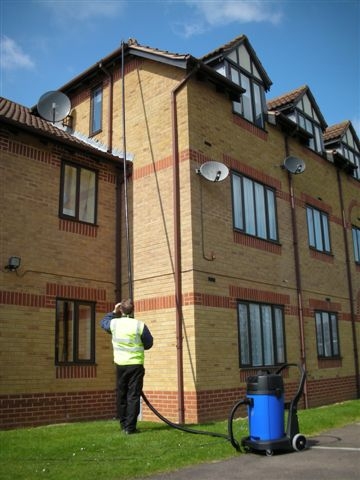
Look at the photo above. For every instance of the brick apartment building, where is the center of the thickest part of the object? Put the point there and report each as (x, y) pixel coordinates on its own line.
(255, 270)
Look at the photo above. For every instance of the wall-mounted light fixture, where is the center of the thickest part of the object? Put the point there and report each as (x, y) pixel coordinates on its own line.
(13, 264)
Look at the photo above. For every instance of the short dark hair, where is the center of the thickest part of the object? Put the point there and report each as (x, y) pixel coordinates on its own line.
(127, 306)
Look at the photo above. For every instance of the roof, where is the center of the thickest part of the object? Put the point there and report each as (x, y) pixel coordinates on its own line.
(288, 100)
(17, 115)
(183, 61)
(219, 53)
(335, 132)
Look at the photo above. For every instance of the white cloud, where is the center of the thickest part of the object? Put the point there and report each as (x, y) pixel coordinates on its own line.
(12, 55)
(82, 10)
(213, 13)
(241, 11)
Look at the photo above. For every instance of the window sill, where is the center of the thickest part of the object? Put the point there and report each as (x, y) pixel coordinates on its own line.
(256, 242)
(329, 362)
(75, 371)
(81, 228)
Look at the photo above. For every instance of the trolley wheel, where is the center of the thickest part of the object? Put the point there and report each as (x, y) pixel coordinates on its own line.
(269, 452)
(299, 442)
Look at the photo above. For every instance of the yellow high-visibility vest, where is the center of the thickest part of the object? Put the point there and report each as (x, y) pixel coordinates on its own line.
(126, 339)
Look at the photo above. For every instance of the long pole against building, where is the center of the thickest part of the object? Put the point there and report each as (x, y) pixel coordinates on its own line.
(126, 201)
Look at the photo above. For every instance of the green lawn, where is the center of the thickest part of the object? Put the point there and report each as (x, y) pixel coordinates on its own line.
(98, 450)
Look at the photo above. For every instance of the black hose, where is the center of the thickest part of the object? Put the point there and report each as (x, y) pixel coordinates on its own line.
(231, 437)
(181, 427)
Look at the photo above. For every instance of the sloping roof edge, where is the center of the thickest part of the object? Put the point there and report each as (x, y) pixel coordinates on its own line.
(16, 115)
(287, 100)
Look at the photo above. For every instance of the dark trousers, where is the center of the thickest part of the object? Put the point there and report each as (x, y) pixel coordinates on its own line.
(129, 384)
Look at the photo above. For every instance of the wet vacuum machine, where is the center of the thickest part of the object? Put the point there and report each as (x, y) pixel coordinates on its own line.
(266, 414)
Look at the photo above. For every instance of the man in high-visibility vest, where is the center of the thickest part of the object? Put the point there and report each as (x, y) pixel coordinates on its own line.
(130, 337)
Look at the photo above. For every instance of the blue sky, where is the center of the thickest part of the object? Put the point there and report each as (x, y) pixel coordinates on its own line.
(45, 43)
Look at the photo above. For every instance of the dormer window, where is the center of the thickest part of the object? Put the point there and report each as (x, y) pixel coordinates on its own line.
(305, 116)
(300, 107)
(342, 139)
(350, 150)
(238, 62)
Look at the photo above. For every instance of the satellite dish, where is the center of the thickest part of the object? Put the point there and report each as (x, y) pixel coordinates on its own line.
(294, 165)
(213, 171)
(54, 106)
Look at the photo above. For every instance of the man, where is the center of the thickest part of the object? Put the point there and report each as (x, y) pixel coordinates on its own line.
(130, 337)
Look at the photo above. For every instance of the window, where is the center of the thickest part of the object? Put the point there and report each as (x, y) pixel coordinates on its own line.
(261, 334)
(252, 101)
(96, 110)
(75, 332)
(354, 157)
(304, 114)
(254, 208)
(318, 229)
(327, 337)
(78, 193)
(356, 243)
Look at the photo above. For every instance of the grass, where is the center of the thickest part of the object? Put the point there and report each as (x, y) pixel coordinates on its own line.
(97, 450)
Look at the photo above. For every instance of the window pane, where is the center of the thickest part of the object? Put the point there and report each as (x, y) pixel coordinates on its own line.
(238, 206)
(326, 333)
(334, 334)
(249, 206)
(244, 335)
(325, 228)
(356, 243)
(255, 325)
(318, 139)
(319, 335)
(246, 98)
(317, 225)
(87, 196)
(271, 215)
(69, 191)
(260, 211)
(96, 113)
(258, 106)
(310, 222)
(267, 335)
(279, 335)
(84, 332)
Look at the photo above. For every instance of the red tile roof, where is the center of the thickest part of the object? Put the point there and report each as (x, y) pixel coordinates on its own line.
(12, 113)
(286, 98)
(335, 132)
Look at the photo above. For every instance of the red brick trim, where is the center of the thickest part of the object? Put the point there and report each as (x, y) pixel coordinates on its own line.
(27, 151)
(250, 127)
(258, 243)
(235, 164)
(22, 298)
(326, 306)
(79, 228)
(75, 371)
(79, 293)
(329, 362)
(43, 408)
(259, 295)
(52, 291)
(324, 257)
